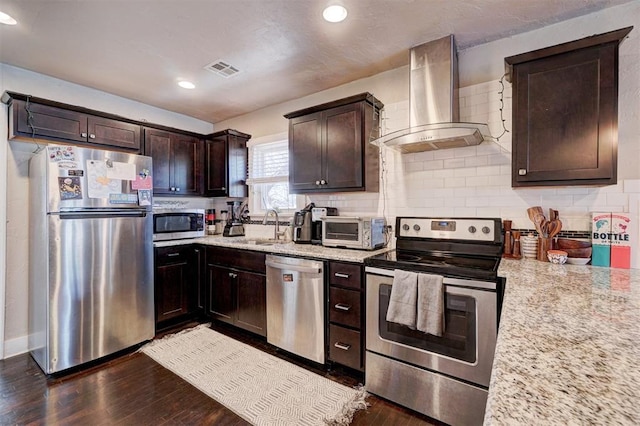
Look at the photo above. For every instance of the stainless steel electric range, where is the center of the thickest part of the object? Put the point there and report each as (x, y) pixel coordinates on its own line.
(443, 377)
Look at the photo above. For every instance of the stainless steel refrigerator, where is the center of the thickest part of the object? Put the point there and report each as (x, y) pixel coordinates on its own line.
(91, 255)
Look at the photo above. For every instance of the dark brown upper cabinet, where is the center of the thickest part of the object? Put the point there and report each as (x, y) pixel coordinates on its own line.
(177, 162)
(330, 149)
(565, 112)
(226, 164)
(34, 118)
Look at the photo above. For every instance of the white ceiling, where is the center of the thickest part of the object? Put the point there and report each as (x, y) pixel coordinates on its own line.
(139, 49)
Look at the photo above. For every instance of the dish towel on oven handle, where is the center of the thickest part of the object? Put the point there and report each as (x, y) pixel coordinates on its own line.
(403, 298)
(430, 302)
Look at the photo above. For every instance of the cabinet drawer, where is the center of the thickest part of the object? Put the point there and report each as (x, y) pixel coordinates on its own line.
(344, 346)
(240, 259)
(344, 307)
(345, 275)
(169, 255)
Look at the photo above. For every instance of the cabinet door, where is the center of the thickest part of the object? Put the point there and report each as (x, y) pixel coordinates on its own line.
(172, 288)
(185, 164)
(305, 153)
(157, 144)
(196, 261)
(215, 181)
(342, 135)
(565, 119)
(49, 122)
(252, 302)
(221, 293)
(237, 166)
(105, 131)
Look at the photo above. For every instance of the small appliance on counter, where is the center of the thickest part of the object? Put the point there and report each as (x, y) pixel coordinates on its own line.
(317, 213)
(302, 226)
(362, 233)
(234, 226)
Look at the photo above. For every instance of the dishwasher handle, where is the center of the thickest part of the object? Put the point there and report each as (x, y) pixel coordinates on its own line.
(297, 268)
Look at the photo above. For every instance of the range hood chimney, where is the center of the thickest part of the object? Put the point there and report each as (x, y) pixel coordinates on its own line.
(433, 103)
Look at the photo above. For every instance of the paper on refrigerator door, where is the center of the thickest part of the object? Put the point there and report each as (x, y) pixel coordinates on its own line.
(122, 171)
(98, 182)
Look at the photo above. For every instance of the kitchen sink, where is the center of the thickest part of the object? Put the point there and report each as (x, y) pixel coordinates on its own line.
(264, 241)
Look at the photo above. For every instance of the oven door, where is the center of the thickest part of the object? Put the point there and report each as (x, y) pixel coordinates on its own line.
(465, 350)
(342, 232)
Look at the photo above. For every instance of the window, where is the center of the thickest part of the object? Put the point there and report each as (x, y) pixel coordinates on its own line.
(269, 176)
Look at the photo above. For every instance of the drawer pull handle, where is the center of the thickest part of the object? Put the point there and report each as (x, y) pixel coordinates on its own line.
(173, 254)
(339, 275)
(342, 346)
(342, 306)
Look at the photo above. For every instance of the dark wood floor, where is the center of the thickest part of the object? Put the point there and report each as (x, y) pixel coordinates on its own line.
(132, 389)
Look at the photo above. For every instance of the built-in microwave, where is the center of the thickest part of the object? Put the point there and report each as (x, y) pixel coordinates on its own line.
(176, 224)
(364, 233)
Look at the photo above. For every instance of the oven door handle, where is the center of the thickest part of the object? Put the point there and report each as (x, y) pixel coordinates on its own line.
(343, 346)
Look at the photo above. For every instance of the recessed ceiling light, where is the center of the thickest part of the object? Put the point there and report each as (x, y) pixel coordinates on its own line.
(335, 13)
(186, 84)
(6, 19)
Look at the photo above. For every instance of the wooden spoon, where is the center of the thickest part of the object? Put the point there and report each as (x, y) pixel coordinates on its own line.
(555, 227)
(533, 212)
(540, 222)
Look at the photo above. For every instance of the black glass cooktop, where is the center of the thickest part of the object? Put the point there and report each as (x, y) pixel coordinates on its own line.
(447, 264)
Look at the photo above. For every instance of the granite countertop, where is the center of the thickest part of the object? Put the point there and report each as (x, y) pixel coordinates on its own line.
(288, 248)
(568, 349)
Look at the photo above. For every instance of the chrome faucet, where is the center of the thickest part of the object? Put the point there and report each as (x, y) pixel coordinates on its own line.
(276, 230)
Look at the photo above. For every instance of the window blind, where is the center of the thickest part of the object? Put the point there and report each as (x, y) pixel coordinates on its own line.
(269, 162)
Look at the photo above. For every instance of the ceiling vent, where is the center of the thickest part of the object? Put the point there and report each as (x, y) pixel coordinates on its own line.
(222, 68)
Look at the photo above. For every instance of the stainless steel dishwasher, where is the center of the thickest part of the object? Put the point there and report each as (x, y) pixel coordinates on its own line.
(295, 306)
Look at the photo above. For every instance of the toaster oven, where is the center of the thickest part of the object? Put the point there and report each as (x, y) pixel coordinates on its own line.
(363, 233)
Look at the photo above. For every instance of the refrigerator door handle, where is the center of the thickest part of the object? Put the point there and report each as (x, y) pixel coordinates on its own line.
(101, 214)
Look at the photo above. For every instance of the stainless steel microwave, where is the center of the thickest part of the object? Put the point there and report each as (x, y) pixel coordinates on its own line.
(364, 233)
(176, 224)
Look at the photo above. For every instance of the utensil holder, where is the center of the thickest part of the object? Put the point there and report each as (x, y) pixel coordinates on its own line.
(544, 245)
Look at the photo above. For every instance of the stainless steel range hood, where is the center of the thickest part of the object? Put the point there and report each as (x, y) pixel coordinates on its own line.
(433, 103)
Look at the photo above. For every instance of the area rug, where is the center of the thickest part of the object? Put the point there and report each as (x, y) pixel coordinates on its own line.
(262, 389)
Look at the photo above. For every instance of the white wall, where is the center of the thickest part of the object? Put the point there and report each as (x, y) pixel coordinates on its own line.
(16, 257)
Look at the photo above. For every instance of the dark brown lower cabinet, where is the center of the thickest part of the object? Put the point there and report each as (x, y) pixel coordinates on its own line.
(346, 314)
(236, 288)
(177, 284)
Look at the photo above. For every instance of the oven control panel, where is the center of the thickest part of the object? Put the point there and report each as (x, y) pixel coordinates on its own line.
(471, 229)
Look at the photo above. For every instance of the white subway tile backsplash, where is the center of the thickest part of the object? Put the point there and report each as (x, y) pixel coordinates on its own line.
(468, 171)
(443, 154)
(433, 165)
(444, 173)
(469, 151)
(488, 171)
(477, 181)
(412, 167)
(631, 185)
(455, 182)
(453, 163)
(499, 159)
(619, 200)
(480, 160)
